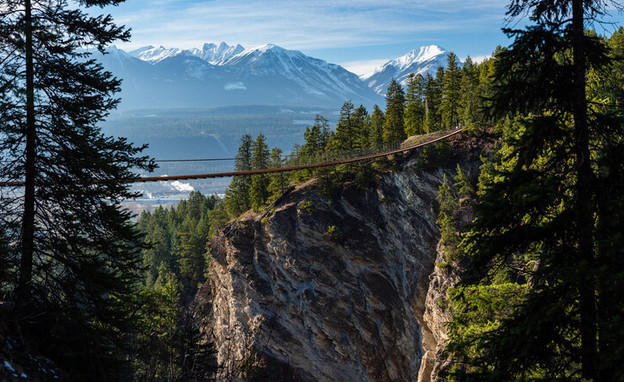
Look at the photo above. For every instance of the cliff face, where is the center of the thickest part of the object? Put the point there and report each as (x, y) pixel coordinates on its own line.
(331, 289)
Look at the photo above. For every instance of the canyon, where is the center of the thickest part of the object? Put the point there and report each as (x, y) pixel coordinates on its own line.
(335, 288)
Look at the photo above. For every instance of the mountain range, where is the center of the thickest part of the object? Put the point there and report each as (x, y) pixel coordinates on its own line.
(224, 75)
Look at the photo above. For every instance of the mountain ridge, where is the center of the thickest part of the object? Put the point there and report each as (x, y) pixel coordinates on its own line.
(425, 59)
(230, 75)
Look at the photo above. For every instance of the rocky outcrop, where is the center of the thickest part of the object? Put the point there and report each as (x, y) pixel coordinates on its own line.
(330, 289)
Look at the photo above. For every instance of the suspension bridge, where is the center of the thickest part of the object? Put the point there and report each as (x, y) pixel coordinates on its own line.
(291, 164)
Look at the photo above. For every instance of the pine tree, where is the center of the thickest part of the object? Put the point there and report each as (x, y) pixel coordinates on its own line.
(393, 127)
(433, 97)
(279, 180)
(345, 137)
(542, 220)
(259, 191)
(415, 109)
(191, 254)
(376, 127)
(316, 139)
(360, 127)
(469, 102)
(73, 250)
(451, 86)
(237, 195)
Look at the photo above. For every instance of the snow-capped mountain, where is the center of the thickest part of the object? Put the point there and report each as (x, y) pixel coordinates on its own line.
(418, 61)
(154, 55)
(304, 77)
(226, 75)
(217, 54)
(211, 53)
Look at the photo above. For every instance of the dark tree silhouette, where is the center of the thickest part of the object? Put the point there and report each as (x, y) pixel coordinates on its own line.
(538, 218)
(73, 252)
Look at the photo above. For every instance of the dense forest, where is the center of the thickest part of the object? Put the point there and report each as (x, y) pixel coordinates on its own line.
(541, 274)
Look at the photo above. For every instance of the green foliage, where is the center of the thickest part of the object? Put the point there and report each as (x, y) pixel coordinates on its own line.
(70, 253)
(393, 126)
(177, 240)
(361, 127)
(433, 98)
(364, 178)
(259, 191)
(470, 101)
(447, 222)
(478, 313)
(346, 130)
(434, 156)
(451, 87)
(278, 181)
(376, 127)
(538, 220)
(352, 130)
(415, 109)
(333, 233)
(455, 199)
(238, 194)
(307, 207)
(168, 347)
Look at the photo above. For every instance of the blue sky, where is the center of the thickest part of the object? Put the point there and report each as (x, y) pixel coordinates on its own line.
(356, 34)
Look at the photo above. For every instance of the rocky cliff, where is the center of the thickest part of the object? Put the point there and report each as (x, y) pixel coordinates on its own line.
(331, 289)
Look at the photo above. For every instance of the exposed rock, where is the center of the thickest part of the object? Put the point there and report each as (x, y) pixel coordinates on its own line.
(291, 298)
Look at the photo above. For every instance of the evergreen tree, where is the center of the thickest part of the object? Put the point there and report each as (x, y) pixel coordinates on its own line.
(237, 195)
(73, 252)
(451, 86)
(614, 89)
(376, 127)
(279, 180)
(469, 102)
(542, 220)
(259, 191)
(316, 139)
(159, 252)
(345, 137)
(191, 254)
(393, 127)
(415, 109)
(433, 97)
(360, 127)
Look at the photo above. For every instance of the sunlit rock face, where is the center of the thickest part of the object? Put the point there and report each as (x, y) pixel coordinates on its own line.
(291, 298)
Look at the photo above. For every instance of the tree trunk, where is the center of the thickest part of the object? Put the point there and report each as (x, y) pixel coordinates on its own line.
(28, 219)
(587, 297)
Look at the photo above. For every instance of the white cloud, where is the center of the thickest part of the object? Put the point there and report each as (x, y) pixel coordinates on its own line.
(300, 24)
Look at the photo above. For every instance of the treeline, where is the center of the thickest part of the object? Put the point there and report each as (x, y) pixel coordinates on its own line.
(455, 97)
